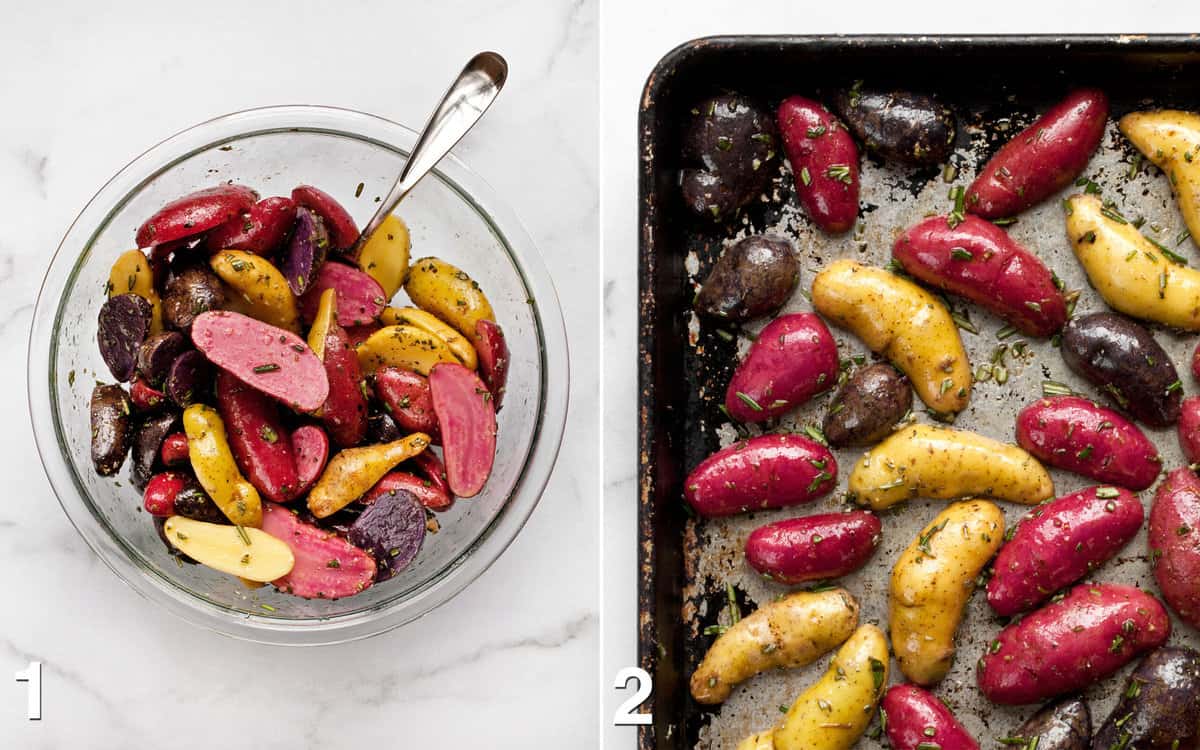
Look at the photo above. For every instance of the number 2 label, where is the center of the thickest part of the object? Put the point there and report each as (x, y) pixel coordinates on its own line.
(33, 675)
(627, 713)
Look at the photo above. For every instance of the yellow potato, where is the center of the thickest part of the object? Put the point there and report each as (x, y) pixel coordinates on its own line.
(384, 257)
(263, 291)
(930, 461)
(1171, 139)
(461, 348)
(758, 741)
(1129, 271)
(353, 471)
(932, 582)
(325, 317)
(132, 274)
(834, 712)
(903, 322)
(449, 293)
(405, 347)
(791, 632)
(217, 471)
(250, 554)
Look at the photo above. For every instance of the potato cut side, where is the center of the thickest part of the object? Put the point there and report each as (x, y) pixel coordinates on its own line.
(248, 553)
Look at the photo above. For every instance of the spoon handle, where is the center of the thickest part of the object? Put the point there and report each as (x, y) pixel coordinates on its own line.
(460, 108)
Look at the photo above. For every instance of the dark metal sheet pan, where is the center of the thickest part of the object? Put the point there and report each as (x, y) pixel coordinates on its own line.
(997, 85)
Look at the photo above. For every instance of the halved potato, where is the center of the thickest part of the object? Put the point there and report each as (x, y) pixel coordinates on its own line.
(449, 293)
(384, 257)
(403, 346)
(262, 288)
(132, 274)
(326, 314)
(417, 318)
(248, 553)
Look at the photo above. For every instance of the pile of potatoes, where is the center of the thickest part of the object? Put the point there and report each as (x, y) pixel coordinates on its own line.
(1066, 633)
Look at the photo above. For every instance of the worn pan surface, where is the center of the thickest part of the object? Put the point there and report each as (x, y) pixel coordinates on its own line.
(996, 85)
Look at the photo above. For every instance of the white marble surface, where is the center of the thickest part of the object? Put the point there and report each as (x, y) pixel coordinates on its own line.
(512, 661)
(634, 36)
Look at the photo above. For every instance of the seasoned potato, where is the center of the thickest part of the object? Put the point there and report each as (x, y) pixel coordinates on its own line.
(403, 346)
(903, 322)
(729, 155)
(791, 632)
(261, 286)
(1130, 272)
(384, 257)
(834, 712)
(932, 582)
(1171, 139)
(913, 129)
(132, 274)
(449, 293)
(212, 460)
(411, 316)
(753, 277)
(938, 462)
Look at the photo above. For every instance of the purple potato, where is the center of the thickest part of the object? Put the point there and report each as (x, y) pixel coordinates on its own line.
(1063, 725)
(193, 502)
(753, 277)
(157, 354)
(305, 251)
(381, 428)
(190, 292)
(147, 441)
(392, 530)
(189, 378)
(1160, 706)
(729, 154)
(110, 410)
(124, 323)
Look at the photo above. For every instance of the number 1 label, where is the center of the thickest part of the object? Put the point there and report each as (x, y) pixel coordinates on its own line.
(33, 675)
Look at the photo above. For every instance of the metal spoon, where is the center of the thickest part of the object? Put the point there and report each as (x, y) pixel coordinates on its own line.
(460, 108)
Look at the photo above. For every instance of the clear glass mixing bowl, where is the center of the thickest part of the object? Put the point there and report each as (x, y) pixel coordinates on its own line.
(452, 214)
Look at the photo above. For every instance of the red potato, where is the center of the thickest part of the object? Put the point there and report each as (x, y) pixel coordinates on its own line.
(493, 357)
(1042, 159)
(360, 299)
(824, 161)
(1071, 644)
(813, 548)
(1189, 428)
(467, 421)
(429, 494)
(258, 438)
(1073, 433)
(343, 232)
(407, 397)
(1060, 542)
(174, 449)
(161, 491)
(1175, 542)
(978, 260)
(260, 230)
(793, 359)
(272, 360)
(326, 567)
(195, 213)
(769, 471)
(431, 466)
(918, 720)
(310, 448)
(345, 411)
(144, 396)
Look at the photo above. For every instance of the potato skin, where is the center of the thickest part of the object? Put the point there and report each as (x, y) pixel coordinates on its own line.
(1123, 359)
(258, 439)
(791, 632)
(1175, 542)
(978, 260)
(1073, 433)
(1043, 158)
(753, 277)
(873, 400)
(902, 126)
(1065, 724)
(260, 285)
(1171, 139)
(768, 471)
(1072, 643)
(447, 292)
(1059, 543)
(195, 213)
(793, 359)
(109, 413)
(903, 322)
(933, 580)
(1160, 706)
(941, 463)
(834, 712)
(1129, 271)
(917, 719)
(730, 155)
(259, 230)
(813, 548)
(824, 161)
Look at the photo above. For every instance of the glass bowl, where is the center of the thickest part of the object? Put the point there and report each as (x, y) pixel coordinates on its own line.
(452, 214)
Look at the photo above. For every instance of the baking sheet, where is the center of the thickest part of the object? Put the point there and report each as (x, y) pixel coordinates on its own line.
(893, 199)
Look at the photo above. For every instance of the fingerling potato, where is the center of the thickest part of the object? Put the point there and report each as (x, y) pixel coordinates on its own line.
(352, 472)
(1171, 139)
(824, 162)
(938, 462)
(1160, 705)
(248, 553)
(753, 277)
(1174, 540)
(384, 257)
(813, 548)
(834, 712)
(873, 400)
(131, 273)
(903, 322)
(932, 582)
(918, 720)
(462, 349)
(1065, 724)
(448, 293)
(263, 290)
(902, 126)
(793, 359)
(217, 470)
(768, 471)
(728, 155)
(403, 346)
